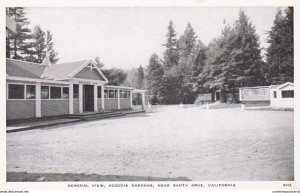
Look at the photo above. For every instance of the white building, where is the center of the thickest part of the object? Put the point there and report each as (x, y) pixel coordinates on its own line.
(275, 96)
(282, 96)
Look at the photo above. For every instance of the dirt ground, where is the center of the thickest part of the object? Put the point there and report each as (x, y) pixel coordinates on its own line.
(167, 143)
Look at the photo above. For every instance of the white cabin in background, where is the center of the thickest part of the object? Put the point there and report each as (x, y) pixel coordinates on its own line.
(275, 96)
(282, 96)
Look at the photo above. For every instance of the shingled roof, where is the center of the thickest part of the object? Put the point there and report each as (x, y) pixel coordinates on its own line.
(24, 69)
(61, 70)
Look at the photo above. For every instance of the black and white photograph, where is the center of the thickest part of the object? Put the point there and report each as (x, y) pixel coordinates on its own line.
(147, 94)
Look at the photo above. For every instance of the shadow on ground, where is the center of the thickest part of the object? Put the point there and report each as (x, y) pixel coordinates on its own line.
(56, 177)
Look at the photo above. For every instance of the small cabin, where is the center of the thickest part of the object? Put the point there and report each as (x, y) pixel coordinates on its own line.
(282, 96)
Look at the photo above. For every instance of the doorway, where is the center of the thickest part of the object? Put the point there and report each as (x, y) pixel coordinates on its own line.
(88, 98)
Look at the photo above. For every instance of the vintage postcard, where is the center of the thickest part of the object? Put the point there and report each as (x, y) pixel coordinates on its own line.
(174, 95)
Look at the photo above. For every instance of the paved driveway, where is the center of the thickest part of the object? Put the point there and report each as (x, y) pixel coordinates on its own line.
(170, 142)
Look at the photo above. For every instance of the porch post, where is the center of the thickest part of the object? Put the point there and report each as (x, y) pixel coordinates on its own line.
(95, 98)
(143, 100)
(119, 104)
(80, 98)
(102, 97)
(71, 108)
(131, 98)
(38, 104)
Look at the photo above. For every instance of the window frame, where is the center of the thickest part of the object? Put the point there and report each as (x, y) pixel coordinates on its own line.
(77, 85)
(275, 94)
(24, 93)
(106, 93)
(61, 92)
(99, 91)
(284, 98)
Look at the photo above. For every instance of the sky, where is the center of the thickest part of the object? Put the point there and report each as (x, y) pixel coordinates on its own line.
(126, 37)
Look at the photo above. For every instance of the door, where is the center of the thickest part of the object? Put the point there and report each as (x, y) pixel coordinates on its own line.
(88, 97)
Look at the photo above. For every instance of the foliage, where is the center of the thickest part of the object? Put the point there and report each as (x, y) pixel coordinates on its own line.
(280, 53)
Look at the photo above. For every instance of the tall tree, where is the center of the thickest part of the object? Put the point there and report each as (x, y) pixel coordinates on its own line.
(154, 76)
(40, 44)
(199, 68)
(17, 44)
(98, 62)
(171, 53)
(53, 56)
(115, 76)
(140, 77)
(187, 47)
(170, 84)
(246, 57)
(280, 53)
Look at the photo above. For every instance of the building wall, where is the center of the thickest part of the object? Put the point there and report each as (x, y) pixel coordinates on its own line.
(20, 109)
(125, 103)
(255, 94)
(76, 106)
(280, 102)
(110, 104)
(86, 73)
(54, 107)
(99, 105)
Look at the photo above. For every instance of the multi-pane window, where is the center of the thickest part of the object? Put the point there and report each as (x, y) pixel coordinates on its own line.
(287, 94)
(55, 92)
(75, 91)
(16, 91)
(124, 94)
(45, 92)
(65, 92)
(111, 94)
(30, 91)
(99, 92)
(105, 93)
(128, 94)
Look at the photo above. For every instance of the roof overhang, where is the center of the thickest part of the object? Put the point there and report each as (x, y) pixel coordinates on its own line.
(119, 87)
(285, 84)
(139, 91)
(35, 80)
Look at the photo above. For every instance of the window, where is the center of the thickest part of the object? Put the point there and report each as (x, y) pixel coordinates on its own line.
(99, 92)
(111, 94)
(105, 93)
(128, 94)
(65, 92)
(45, 92)
(30, 91)
(275, 94)
(287, 94)
(15, 91)
(116, 94)
(125, 94)
(75, 91)
(55, 92)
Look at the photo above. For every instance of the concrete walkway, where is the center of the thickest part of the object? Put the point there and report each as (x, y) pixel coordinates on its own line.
(38, 124)
(59, 121)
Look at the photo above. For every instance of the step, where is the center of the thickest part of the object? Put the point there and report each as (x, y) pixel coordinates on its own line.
(102, 117)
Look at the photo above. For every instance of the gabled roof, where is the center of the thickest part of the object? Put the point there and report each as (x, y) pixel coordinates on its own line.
(24, 69)
(279, 86)
(285, 84)
(61, 70)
